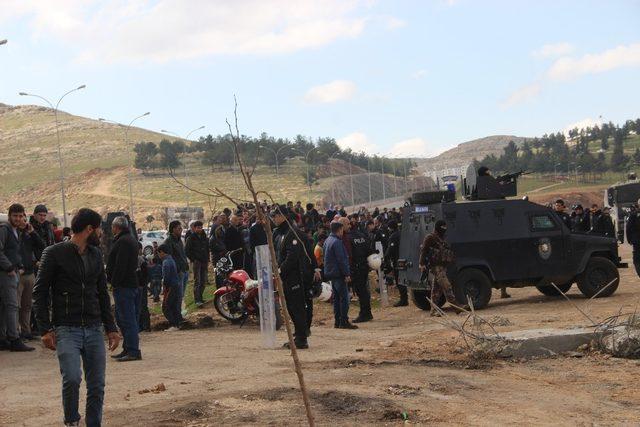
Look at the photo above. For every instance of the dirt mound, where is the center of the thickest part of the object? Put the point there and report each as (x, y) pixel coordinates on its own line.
(571, 196)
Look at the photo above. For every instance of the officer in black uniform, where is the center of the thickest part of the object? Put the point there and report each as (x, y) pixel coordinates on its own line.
(360, 250)
(632, 230)
(289, 251)
(559, 209)
(391, 256)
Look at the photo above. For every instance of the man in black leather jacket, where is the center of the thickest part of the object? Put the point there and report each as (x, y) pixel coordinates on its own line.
(73, 309)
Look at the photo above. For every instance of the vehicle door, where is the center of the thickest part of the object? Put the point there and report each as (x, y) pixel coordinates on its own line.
(547, 244)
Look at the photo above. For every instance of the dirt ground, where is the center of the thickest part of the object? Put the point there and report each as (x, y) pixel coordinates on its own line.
(402, 366)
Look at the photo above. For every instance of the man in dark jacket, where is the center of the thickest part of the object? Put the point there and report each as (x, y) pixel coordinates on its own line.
(360, 249)
(337, 271)
(289, 251)
(559, 209)
(31, 246)
(41, 226)
(174, 241)
(604, 224)
(391, 256)
(217, 249)
(197, 250)
(122, 267)
(11, 267)
(632, 230)
(233, 241)
(72, 307)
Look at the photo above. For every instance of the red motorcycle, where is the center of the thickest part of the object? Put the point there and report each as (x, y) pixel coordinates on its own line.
(237, 298)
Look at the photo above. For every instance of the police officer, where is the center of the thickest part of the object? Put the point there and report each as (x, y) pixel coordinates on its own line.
(360, 250)
(289, 251)
(391, 256)
(559, 209)
(633, 235)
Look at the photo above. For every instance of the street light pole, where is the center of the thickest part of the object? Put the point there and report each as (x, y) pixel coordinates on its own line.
(353, 203)
(184, 158)
(306, 155)
(126, 141)
(384, 191)
(276, 153)
(369, 176)
(333, 196)
(61, 164)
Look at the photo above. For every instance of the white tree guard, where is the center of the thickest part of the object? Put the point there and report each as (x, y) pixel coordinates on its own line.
(266, 296)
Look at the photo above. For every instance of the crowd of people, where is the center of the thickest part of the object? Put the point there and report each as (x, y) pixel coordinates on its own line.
(55, 284)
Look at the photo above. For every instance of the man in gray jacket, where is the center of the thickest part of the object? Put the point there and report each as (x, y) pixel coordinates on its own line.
(10, 269)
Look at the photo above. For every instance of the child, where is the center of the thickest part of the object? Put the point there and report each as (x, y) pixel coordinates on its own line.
(171, 301)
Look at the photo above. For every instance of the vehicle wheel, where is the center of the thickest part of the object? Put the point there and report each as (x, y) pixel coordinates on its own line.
(475, 284)
(598, 274)
(148, 250)
(225, 305)
(419, 297)
(550, 291)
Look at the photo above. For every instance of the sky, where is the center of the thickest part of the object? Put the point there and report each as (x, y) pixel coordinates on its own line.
(398, 78)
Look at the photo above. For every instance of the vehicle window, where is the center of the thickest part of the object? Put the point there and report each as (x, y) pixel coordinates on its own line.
(542, 222)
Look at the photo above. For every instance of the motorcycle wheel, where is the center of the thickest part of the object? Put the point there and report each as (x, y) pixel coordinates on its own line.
(223, 303)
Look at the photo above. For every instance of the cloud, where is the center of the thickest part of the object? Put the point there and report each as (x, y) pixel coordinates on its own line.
(357, 142)
(553, 50)
(570, 68)
(413, 147)
(167, 30)
(523, 94)
(337, 90)
(419, 74)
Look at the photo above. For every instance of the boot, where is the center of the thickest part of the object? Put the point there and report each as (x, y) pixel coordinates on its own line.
(402, 303)
(347, 325)
(363, 318)
(18, 345)
(300, 345)
(504, 294)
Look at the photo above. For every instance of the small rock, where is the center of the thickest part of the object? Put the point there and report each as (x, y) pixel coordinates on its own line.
(386, 343)
(574, 354)
(583, 347)
(359, 349)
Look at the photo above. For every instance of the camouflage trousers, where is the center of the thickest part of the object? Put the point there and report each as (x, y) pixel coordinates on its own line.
(441, 285)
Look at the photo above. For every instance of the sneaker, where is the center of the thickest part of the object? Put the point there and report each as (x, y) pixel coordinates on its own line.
(172, 329)
(18, 345)
(129, 358)
(401, 303)
(184, 312)
(199, 304)
(347, 325)
(119, 355)
(73, 423)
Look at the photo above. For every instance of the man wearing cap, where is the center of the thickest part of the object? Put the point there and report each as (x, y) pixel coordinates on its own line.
(41, 226)
(289, 251)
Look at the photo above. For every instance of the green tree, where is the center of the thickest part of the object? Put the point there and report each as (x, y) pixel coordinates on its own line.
(618, 159)
(145, 156)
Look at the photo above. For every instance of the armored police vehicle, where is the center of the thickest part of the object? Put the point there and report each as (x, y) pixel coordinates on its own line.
(620, 198)
(500, 242)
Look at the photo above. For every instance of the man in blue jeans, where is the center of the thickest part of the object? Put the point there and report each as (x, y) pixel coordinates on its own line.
(336, 270)
(122, 267)
(73, 309)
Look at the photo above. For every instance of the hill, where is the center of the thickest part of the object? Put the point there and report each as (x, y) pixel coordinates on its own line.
(464, 153)
(96, 162)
